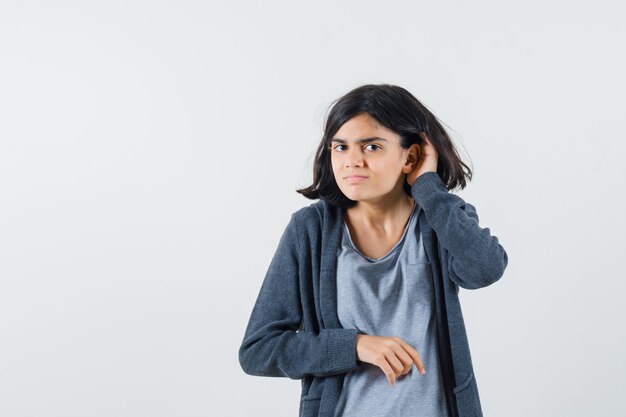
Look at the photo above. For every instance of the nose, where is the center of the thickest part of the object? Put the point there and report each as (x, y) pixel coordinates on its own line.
(353, 157)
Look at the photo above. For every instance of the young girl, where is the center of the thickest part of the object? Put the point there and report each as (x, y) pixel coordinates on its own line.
(364, 283)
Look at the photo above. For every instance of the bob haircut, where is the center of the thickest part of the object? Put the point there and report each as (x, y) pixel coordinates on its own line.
(397, 110)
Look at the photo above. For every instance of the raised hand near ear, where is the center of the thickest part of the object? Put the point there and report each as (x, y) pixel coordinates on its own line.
(427, 160)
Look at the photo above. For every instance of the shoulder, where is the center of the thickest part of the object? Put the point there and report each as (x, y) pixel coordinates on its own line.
(312, 217)
(312, 213)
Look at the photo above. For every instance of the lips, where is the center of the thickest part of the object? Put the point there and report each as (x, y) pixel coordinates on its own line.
(355, 179)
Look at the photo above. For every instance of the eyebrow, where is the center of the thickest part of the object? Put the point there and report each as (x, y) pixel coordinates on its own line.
(359, 140)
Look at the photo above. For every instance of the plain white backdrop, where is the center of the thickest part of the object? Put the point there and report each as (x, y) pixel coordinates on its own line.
(149, 153)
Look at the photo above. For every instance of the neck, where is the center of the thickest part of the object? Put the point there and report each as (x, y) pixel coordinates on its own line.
(384, 214)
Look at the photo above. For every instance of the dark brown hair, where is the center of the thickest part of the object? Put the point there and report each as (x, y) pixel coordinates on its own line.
(397, 110)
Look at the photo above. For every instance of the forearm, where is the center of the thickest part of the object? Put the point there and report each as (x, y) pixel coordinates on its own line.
(477, 257)
(298, 354)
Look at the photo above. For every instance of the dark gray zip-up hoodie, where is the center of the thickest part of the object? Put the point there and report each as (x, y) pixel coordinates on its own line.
(294, 330)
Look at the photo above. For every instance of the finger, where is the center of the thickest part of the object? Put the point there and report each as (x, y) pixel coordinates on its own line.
(403, 355)
(391, 376)
(406, 360)
(395, 363)
(416, 357)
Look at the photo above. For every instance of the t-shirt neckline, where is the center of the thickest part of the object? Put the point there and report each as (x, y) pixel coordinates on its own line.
(393, 249)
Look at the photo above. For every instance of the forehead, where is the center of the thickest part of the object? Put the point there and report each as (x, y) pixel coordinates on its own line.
(364, 128)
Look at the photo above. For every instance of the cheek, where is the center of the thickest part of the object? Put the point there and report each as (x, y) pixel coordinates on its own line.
(388, 172)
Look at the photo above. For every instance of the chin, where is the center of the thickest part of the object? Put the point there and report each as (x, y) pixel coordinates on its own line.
(355, 196)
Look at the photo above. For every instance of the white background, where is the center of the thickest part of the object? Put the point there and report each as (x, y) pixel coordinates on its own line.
(149, 153)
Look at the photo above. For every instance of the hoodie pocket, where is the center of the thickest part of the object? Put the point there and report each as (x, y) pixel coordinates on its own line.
(467, 397)
(310, 407)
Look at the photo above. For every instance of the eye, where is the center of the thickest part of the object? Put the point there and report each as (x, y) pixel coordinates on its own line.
(373, 144)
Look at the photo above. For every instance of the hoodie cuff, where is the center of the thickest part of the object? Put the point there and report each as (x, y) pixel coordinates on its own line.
(341, 349)
(426, 182)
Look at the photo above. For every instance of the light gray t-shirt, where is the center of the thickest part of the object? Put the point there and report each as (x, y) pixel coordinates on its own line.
(390, 296)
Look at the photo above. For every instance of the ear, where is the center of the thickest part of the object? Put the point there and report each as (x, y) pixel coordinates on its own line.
(413, 154)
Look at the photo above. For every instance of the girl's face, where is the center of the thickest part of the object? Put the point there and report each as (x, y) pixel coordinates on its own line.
(364, 148)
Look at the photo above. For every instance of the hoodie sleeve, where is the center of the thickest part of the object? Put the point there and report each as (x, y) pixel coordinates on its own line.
(274, 344)
(477, 258)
